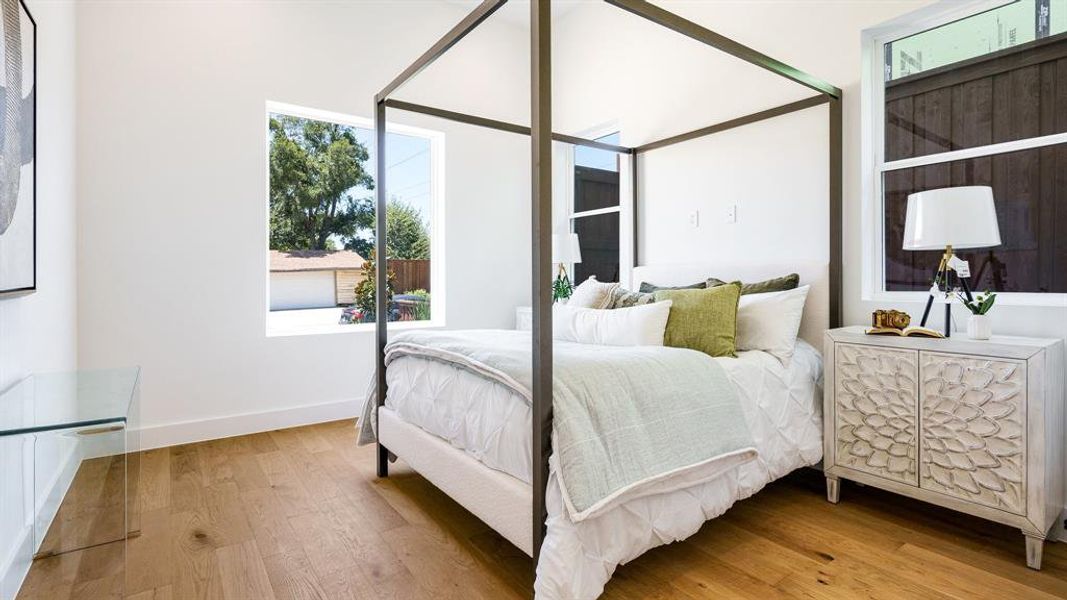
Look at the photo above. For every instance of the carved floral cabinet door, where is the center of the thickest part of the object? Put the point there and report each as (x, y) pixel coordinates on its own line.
(876, 411)
(973, 429)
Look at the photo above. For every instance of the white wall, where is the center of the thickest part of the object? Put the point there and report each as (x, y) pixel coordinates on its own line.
(779, 197)
(774, 171)
(172, 180)
(38, 332)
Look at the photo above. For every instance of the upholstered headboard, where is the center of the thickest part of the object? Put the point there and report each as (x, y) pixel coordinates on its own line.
(816, 318)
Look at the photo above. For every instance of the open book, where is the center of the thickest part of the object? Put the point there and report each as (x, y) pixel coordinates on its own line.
(906, 332)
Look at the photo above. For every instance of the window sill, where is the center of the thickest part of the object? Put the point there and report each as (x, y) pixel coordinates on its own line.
(324, 321)
(1003, 298)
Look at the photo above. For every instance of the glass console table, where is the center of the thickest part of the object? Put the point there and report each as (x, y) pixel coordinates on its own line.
(75, 432)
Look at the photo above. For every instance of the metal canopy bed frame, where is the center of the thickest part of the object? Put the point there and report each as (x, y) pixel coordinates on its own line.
(541, 135)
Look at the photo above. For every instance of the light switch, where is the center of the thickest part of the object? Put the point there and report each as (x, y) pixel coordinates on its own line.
(731, 213)
(694, 219)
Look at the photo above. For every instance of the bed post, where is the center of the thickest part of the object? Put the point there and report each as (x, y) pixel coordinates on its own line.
(635, 209)
(381, 283)
(837, 317)
(541, 276)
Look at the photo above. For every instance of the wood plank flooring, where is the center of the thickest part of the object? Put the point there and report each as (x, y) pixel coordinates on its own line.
(298, 513)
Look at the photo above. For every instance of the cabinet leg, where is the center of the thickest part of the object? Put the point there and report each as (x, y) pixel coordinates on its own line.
(833, 489)
(1035, 546)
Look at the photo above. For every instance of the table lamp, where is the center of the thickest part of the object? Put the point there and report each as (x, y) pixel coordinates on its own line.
(565, 250)
(950, 218)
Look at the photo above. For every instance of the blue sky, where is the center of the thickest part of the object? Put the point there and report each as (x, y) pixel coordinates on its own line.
(585, 156)
(407, 171)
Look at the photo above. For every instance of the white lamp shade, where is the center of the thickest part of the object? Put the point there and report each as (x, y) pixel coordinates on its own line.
(961, 217)
(565, 248)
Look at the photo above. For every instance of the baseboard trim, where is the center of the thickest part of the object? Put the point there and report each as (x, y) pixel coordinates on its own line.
(187, 432)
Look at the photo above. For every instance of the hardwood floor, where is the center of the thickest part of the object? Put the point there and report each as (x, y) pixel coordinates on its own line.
(298, 513)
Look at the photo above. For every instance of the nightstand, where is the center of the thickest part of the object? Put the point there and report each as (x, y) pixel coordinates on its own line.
(524, 318)
(974, 426)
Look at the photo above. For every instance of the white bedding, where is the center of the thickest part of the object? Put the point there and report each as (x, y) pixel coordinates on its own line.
(491, 423)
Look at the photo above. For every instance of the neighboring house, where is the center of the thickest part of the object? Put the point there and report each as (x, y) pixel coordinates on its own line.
(313, 278)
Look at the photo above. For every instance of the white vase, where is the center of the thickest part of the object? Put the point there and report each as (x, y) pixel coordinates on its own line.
(979, 327)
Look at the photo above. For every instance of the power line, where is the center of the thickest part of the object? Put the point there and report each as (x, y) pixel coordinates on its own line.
(398, 163)
(426, 182)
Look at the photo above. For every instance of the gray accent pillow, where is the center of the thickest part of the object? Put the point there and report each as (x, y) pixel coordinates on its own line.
(624, 298)
(778, 284)
(648, 288)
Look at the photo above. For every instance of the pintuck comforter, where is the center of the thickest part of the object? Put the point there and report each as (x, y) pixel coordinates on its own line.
(491, 422)
(627, 422)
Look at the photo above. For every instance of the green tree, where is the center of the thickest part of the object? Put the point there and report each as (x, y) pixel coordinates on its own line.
(408, 236)
(314, 165)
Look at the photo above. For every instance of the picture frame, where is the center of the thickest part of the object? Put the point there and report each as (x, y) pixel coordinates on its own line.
(18, 152)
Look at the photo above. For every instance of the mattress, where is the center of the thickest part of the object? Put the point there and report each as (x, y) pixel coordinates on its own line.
(492, 423)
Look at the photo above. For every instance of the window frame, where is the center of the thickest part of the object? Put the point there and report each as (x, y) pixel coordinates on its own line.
(873, 165)
(624, 207)
(325, 321)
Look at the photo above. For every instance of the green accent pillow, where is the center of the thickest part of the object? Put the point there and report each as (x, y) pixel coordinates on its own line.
(648, 288)
(704, 320)
(778, 284)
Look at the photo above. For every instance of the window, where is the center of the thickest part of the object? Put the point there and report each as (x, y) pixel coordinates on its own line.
(595, 213)
(321, 207)
(973, 95)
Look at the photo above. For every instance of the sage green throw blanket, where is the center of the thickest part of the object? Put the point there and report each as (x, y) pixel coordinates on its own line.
(628, 421)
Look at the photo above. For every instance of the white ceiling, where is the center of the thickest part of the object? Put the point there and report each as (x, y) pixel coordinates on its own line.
(517, 12)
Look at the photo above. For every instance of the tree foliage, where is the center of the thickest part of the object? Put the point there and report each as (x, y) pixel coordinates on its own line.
(408, 235)
(314, 165)
(314, 168)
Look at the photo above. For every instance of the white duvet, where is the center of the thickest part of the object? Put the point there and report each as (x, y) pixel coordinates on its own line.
(490, 422)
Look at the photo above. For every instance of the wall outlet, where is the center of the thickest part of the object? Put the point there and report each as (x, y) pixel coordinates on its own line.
(694, 219)
(731, 213)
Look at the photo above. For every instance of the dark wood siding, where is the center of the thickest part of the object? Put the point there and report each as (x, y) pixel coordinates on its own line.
(598, 235)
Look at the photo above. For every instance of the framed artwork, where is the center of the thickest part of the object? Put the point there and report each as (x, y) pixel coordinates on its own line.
(18, 149)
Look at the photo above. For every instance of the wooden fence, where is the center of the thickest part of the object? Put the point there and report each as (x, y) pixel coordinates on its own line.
(410, 274)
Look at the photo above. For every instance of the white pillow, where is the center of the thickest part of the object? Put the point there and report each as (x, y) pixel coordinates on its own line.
(635, 326)
(771, 321)
(592, 294)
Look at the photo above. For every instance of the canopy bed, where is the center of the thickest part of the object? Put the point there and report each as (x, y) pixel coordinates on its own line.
(515, 490)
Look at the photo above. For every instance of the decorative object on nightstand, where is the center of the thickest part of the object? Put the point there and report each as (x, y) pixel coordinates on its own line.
(978, 325)
(950, 218)
(975, 426)
(895, 322)
(565, 250)
(893, 319)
